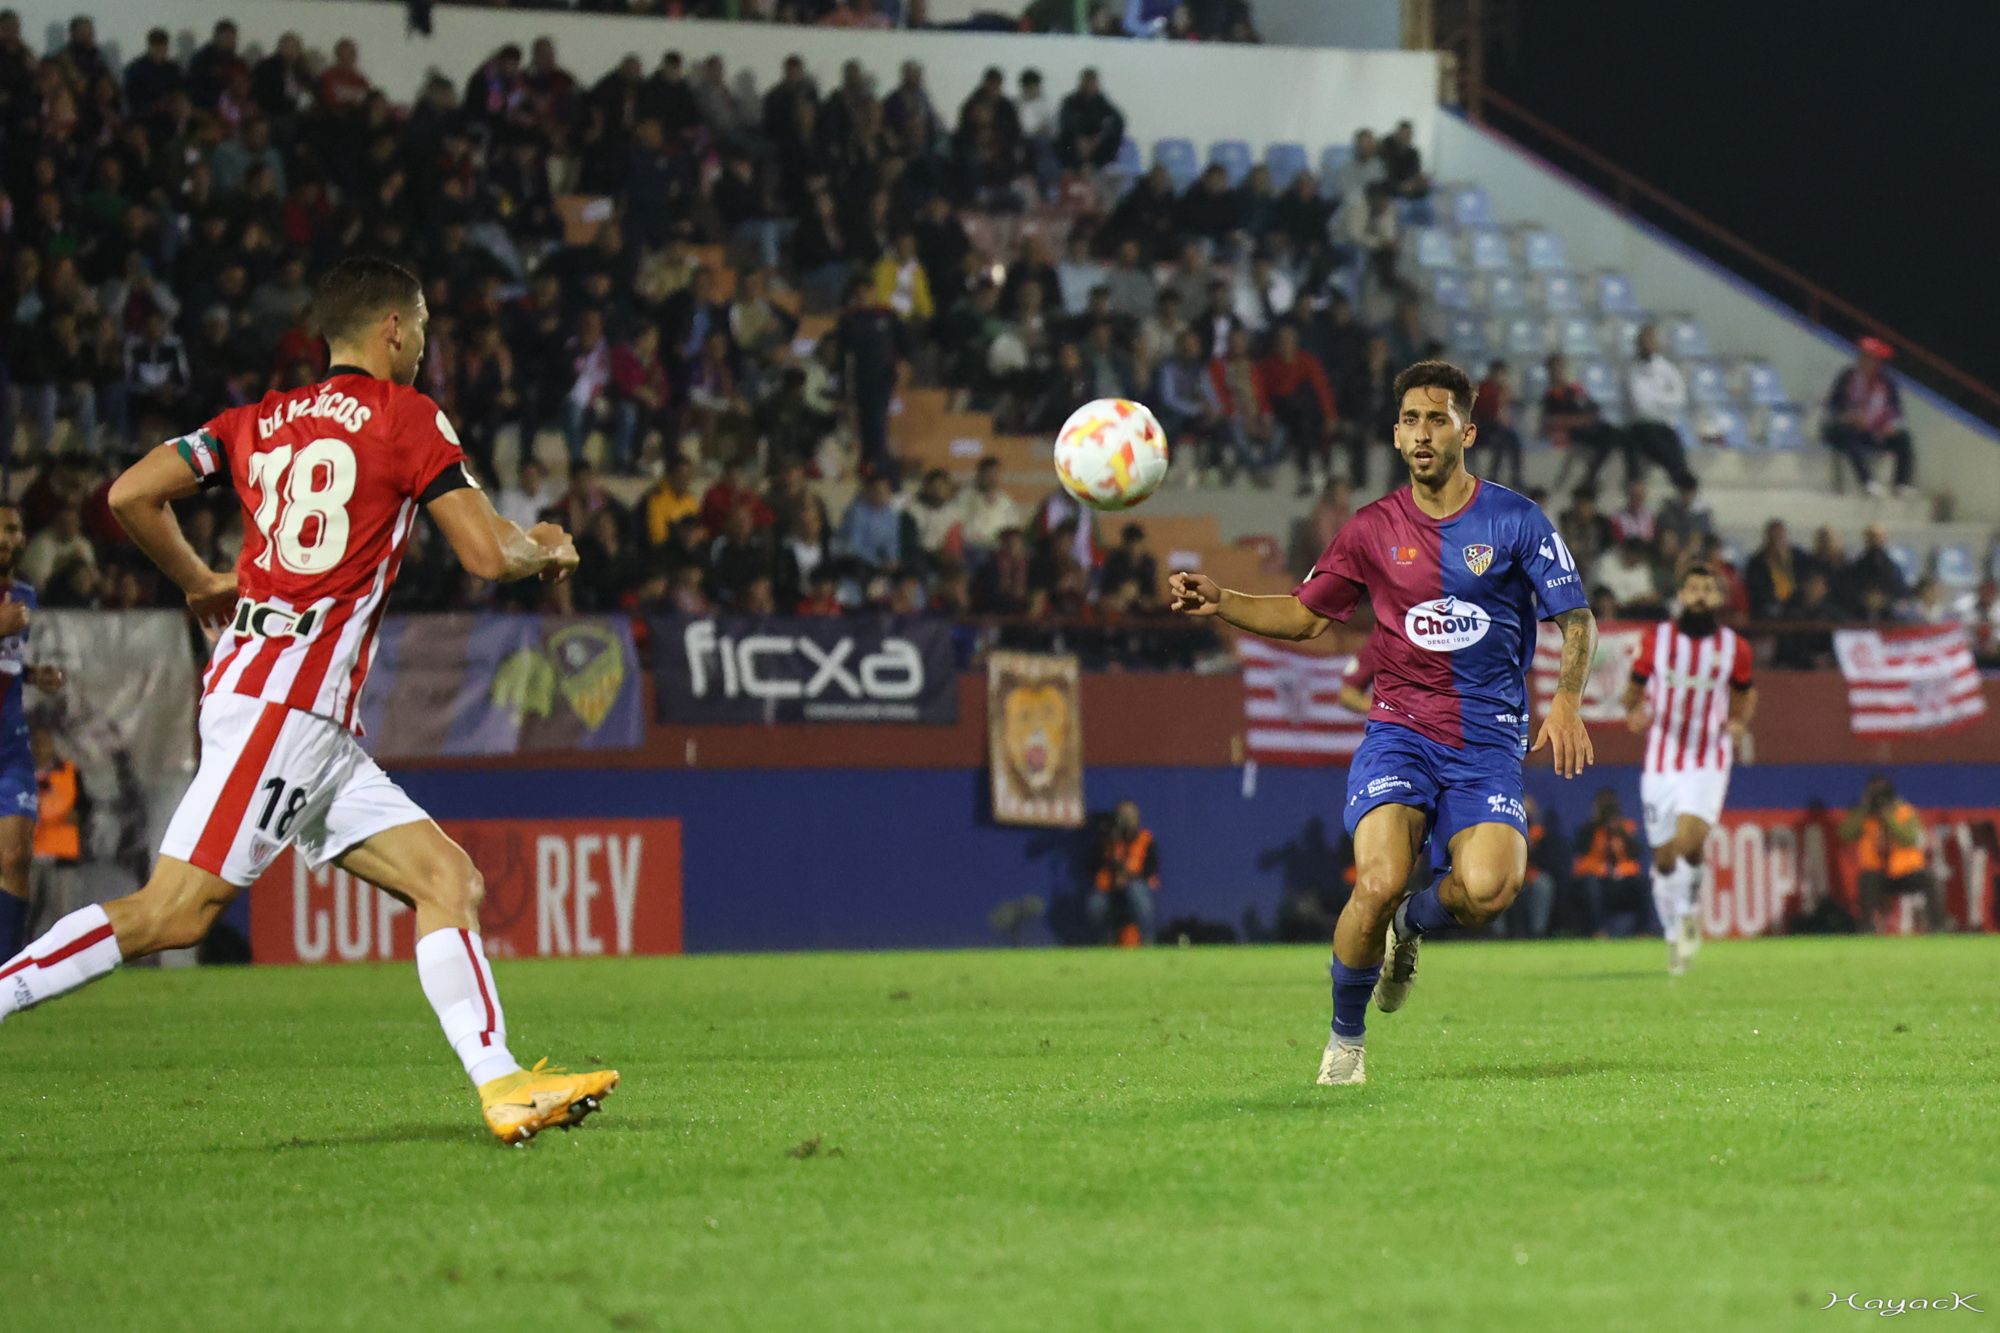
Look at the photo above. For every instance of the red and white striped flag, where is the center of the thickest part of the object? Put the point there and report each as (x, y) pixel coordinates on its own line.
(1291, 705)
(1917, 679)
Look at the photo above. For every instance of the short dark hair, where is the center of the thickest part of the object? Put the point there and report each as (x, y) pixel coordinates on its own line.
(1700, 569)
(1437, 375)
(357, 291)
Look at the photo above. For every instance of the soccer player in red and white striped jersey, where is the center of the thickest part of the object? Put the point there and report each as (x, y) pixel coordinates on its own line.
(330, 478)
(1691, 693)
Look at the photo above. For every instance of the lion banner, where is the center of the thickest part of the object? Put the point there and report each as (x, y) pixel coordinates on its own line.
(1034, 729)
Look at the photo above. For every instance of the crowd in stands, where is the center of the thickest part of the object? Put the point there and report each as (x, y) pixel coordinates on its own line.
(162, 223)
(1175, 20)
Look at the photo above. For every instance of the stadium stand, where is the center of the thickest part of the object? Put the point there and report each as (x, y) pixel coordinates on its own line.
(820, 284)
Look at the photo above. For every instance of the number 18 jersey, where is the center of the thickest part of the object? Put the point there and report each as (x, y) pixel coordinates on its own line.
(330, 477)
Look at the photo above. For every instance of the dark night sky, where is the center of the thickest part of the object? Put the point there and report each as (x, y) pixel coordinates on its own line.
(1859, 144)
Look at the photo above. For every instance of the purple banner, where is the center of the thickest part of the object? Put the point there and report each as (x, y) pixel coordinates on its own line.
(471, 684)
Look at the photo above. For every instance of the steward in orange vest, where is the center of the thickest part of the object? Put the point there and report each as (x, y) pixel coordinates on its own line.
(1128, 869)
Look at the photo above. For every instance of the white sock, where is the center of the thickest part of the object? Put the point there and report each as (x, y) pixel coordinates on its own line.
(77, 950)
(1669, 897)
(1691, 881)
(458, 983)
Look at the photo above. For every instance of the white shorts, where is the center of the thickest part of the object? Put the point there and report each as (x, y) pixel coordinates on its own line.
(1668, 796)
(273, 777)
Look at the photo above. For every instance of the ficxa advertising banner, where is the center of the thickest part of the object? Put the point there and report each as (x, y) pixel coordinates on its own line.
(740, 669)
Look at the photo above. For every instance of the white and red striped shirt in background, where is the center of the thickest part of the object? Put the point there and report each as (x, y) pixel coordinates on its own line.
(1688, 686)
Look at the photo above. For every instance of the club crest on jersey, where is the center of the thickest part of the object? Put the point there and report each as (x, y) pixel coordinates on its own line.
(1479, 558)
(1402, 555)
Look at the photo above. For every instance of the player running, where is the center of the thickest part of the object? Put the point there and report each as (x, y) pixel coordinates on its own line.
(1677, 696)
(1457, 571)
(20, 794)
(330, 477)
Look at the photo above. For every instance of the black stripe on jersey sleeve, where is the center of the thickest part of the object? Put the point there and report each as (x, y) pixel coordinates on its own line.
(452, 478)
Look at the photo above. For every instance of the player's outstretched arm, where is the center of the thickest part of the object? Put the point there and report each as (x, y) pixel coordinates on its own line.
(1281, 617)
(492, 547)
(142, 498)
(1563, 730)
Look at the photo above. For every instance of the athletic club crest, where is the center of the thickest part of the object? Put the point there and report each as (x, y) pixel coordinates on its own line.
(1478, 558)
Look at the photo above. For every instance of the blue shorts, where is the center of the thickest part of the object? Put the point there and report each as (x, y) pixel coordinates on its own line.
(19, 792)
(1456, 788)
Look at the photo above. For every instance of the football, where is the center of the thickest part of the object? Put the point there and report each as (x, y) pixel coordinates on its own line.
(1111, 453)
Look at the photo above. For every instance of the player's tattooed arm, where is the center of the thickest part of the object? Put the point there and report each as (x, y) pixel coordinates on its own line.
(1563, 730)
(1579, 630)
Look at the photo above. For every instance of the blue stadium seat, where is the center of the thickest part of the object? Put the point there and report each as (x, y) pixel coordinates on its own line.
(1723, 425)
(1612, 293)
(1601, 382)
(1531, 381)
(1560, 293)
(1503, 293)
(1465, 335)
(1758, 383)
(1177, 156)
(1708, 386)
(1957, 566)
(1432, 247)
(1542, 250)
(1448, 289)
(1683, 338)
(1486, 249)
(1287, 162)
(1784, 426)
(1331, 160)
(1464, 205)
(1620, 331)
(1575, 335)
(1128, 164)
(1905, 558)
(1233, 156)
(1520, 335)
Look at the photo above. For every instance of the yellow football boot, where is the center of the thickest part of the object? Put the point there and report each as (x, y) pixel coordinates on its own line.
(520, 1105)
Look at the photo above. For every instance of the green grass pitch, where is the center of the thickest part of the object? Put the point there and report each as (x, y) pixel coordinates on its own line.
(1556, 1137)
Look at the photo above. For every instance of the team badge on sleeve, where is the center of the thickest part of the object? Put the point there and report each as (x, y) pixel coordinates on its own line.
(1479, 558)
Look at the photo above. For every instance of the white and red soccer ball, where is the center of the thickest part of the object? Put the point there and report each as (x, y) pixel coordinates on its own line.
(1111, 453)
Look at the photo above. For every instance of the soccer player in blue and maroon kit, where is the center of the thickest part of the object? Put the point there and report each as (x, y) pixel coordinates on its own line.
(1457, 571)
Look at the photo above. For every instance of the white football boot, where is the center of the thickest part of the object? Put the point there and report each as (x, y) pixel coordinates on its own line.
(1343, 1063)
(1399, 967)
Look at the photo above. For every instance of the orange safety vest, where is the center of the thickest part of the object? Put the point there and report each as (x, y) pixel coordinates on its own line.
(1611, 852)
(1128, 856)
(1876, 853)
(56, 835)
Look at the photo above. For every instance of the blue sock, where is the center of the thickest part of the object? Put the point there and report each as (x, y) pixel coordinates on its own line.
(1423, 912)
(1352, 987)
(13, 919)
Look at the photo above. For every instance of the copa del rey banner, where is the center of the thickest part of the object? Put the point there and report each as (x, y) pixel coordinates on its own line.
(1914, 679)
(1618, 647)
(555, 888)
(1770, 867)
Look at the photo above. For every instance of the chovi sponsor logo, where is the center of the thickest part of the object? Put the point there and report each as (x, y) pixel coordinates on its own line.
(1446, 624)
